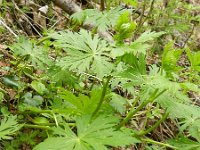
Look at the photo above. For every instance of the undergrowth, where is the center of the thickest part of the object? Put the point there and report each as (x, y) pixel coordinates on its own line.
(74, 90)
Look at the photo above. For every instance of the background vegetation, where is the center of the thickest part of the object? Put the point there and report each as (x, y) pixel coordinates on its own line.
(97, 75)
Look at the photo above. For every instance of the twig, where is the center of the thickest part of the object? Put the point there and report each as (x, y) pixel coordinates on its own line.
(68, 6)
(186, 41)
(141, 22)
(7, 27)
(102, 5)
(17, 8)
(71, 7)
(6, 53)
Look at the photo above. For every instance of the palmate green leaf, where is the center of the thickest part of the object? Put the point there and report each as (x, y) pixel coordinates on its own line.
(80, 104)
(138, 46)
(29, 50)
(102, 20)
(59, 76)
(133, 74)
(118, 103)
(174, 100)
(95, 135)
(84, 52)
(8, 127)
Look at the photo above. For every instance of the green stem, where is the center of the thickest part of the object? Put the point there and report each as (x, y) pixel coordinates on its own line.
(158, 143)
(146, 119)
(134, 111)
(3, 91)
(154, 126)
(39, 111)
(36, 126)
(6, 97)
(42, 40)
(102, 96)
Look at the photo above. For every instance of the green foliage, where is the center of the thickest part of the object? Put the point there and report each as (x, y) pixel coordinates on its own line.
(124, 28)
(91, 135)
(1, 96)
(28, 138)
(194, 59)
(130, 2)
(102, 20)
(141, 42)
(74, 90)
(80, 104)
(59, 76)
(183, 143)
(29, 51)
(140, 45)
(90, 54)
(11, 81)
(8, 127)
(118, 103)
(39, 87)
(30, 100)
(170, 59)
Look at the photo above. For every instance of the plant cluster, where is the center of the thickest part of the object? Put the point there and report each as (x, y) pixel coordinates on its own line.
(74, 90)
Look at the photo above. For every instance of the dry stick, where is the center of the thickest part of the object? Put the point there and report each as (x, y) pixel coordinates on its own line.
(68, 6)
(71, 7)
(5, 53)
(149, 13)
(186, 41)
(18, 9)
(102, 5)
(7, 27)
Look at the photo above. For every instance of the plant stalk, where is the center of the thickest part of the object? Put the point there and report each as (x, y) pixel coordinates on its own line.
(155, 125)
(158, 143)
(102, 96)
(36, 126)
(134, 111)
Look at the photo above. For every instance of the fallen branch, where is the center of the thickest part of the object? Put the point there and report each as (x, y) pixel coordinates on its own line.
(71, 7)
(68, 6)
